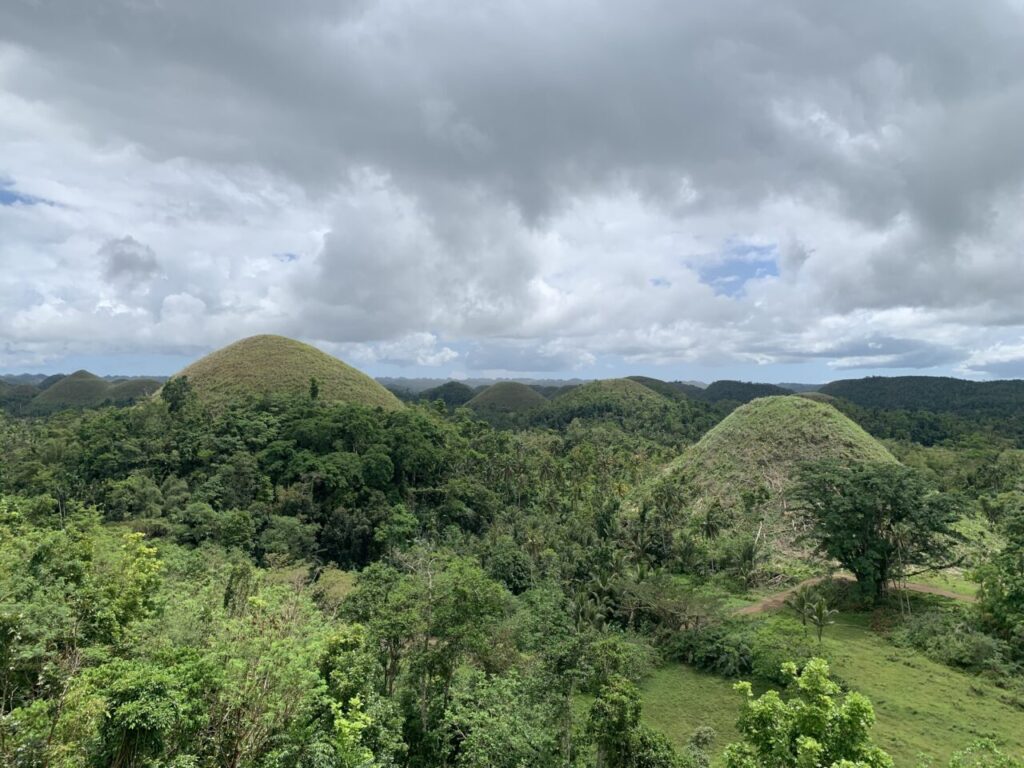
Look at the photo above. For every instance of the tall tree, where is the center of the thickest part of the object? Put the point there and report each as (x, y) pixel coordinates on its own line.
(878, 520)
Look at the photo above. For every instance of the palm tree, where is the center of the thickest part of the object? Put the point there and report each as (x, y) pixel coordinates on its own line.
(820, 615)
(800, 602)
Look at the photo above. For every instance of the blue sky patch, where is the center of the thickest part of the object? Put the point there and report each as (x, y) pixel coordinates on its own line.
(286, 258)
(739, 263)
(11, 196)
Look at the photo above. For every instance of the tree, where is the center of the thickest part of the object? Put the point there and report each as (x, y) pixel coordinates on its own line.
(176, 393)
(314, 388)
(877, 519)
(820, 615)
(622, 741)
(800, 602)
(1001, 597)
(814, 727)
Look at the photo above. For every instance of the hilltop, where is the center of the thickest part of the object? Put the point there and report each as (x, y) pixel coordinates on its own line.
(758, 449)
(451, 393)
(83, 389)
(259, 366)
(506, 397)
(930, 393)
(673, 389)
(630, 406)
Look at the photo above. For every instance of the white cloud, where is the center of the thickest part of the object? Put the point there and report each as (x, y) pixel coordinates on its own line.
(515, 189)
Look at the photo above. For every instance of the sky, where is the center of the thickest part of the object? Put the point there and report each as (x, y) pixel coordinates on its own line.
(776, 191)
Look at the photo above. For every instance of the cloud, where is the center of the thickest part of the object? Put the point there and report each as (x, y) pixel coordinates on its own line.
(573, 187)
(126, 259)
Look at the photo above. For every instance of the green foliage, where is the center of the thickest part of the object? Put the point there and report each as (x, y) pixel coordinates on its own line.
(451, 393)
(984, 754)
(620, 739)
(933, 409)
(739, 478)
(627, 405)
(814, 727)
(1001, 597)
(504, 397)
(878, 520)
(86, 390)
(820, 615)
(740, 391)
(501, 722)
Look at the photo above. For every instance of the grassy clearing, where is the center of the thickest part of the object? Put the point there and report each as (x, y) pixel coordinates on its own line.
(922, 707)
(678, 700)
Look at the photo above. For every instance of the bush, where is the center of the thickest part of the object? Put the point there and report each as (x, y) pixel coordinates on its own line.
(947, 636)
(737, 648)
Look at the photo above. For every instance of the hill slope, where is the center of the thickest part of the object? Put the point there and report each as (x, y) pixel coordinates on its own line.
(739, 391)
(506, 397)
(79, 390)
(451, 393)
(630, 406)
(673, 389)
(259, 366)
(130, 390)
(759, 448)
(931, 393)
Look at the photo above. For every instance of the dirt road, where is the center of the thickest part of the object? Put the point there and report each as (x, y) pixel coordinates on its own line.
(778, 600)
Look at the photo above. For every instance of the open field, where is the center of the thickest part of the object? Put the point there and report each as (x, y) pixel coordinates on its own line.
(921, 707)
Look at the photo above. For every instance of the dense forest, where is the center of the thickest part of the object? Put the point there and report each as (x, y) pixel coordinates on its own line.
(298, 578)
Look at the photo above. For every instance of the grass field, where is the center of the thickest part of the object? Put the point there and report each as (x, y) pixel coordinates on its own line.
(922, 707)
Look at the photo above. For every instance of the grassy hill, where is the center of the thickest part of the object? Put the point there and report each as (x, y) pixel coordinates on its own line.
(507, 397)
(85, 390)
(49, 381)
(79, 390)
(759, 448)
(274, 365)
(451, 393)
(130, 390)
(631, 407)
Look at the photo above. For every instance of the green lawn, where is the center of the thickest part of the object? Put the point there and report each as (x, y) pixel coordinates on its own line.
(921, 706)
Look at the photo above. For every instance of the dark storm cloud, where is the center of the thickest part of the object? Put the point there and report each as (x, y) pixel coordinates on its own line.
(128, 259)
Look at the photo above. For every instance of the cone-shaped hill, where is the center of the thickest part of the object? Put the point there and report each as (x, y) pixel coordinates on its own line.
(626, 404)
(86, 390)
(507, 397)
(759, 449)
(451, 393)
(274, 365)
(79, 390)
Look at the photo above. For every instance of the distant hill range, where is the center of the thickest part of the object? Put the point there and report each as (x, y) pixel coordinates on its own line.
(81, 389)
(930, 393)
(934, 408)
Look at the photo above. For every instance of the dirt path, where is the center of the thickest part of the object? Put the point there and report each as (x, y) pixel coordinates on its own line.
(778, 600)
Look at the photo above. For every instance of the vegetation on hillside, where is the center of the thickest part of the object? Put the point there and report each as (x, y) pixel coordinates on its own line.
(739, 391)
(506, 397)
(737, 482)
(279, 578)
(451, 393)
